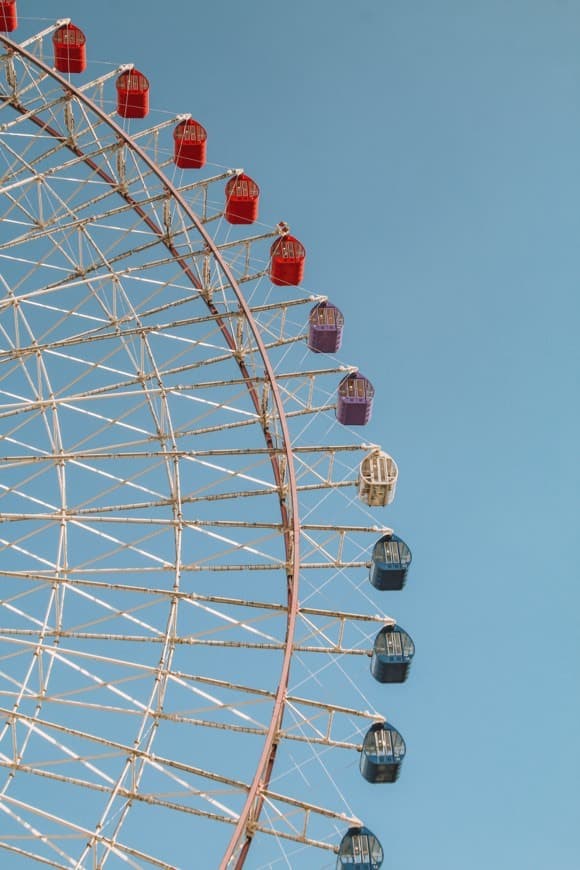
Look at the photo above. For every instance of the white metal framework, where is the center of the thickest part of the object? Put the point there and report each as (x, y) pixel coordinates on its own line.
(164, 488)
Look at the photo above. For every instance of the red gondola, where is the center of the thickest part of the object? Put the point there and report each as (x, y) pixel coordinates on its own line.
(8, 16)
(355, 400)
(189, 145)
(70, 49)
(242, 198)
(132, 94)
(287, 261)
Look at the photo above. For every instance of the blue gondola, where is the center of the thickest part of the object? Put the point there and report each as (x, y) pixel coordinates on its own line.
(390, 563)
(359, 848)
(382, 753)
(392, 654)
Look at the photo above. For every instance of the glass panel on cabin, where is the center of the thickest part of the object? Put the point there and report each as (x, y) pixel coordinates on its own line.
(244, 186)
(404, 553)
(398, 745)
(395, 553)
(391, 552)
(393, 643)
(291, 248)
(360, 847)
(408, 646)
(355, 388)
(383, 745)
(135, 82)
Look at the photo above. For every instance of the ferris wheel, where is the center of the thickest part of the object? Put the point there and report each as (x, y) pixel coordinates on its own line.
(188, 522)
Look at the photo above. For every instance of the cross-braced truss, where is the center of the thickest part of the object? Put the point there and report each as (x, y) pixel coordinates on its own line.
(164, 488)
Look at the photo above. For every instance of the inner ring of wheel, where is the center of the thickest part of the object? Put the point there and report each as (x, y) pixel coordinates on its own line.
(288, 502)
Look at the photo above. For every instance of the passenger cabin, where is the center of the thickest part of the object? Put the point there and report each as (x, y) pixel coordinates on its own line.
(8, 16)
(377, 479)
(70, 49)
(325, 324)
(287, 258)
(355, 400)
(132, 94)
(390, 563)
(359, 848)
(382, 753)
(242, 200)
(392, 654)
(189, 144)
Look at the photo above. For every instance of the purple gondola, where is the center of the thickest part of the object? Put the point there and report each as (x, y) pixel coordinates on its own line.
(325, 328)
(355, 400)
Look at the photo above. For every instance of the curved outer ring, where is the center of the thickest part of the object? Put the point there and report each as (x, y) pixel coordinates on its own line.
(254, 799)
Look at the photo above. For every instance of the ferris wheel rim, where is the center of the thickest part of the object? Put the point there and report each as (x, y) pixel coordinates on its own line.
(241, 838)
(99, 277)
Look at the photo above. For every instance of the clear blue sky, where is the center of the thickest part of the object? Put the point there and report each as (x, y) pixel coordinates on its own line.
(428, 153)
